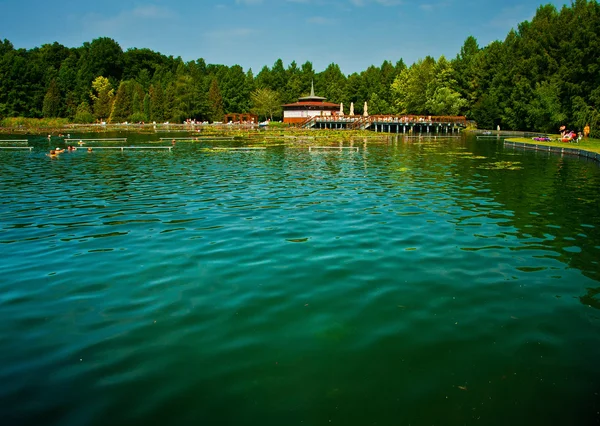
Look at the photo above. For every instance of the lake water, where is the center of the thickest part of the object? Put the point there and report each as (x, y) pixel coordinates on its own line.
(432, 282)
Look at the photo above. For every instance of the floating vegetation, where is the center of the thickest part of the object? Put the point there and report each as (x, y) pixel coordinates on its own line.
(531, 268)
(457, 154)
(502, 165)
(403, 169)
(297, 240)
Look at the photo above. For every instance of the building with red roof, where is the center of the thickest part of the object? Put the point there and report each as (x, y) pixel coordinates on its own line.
(307, 107)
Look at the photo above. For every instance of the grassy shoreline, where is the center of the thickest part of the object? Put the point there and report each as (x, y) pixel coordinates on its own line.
(591, 145)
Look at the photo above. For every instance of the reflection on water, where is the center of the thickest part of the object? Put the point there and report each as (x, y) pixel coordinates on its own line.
(410, 282)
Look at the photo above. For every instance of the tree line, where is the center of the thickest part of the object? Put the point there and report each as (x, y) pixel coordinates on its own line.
(545, 73)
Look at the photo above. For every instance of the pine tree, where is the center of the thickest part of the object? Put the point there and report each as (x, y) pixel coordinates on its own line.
(147, 107)
(215, 101)
(122, 107)
(51, 107)
(157, 103)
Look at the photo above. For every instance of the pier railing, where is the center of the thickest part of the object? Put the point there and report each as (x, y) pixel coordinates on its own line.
(421, 119)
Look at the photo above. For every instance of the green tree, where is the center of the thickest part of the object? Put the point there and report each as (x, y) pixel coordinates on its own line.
(147, 107)
(331, 83)
(544, 112)
(51, 106)
(102, 97)
(136, 106)
(157, 103)
(102, 57)
(410, 87)
(265, 103)
(123, 105)
(83, 114)
(442, 98)
(215, 101)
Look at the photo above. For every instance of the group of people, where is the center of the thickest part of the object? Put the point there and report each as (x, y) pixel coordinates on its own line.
(54, 152)
(571, 135)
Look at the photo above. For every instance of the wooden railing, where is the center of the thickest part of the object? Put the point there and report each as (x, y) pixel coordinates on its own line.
(415, 119)
(305, 123)
(360, 122)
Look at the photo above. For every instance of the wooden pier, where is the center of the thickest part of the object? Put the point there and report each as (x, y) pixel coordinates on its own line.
(397, 124)
(15, 144)
(123, 148)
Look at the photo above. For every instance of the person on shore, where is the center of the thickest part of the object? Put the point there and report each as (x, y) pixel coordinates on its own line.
(586, 131)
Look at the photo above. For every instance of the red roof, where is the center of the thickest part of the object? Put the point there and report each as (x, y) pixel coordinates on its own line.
(309, 103)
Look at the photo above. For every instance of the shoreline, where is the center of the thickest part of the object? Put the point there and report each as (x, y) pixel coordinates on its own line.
(592, 153)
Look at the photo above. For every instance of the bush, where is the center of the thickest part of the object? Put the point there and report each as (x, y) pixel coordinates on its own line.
(83, 114)
(33, 123)
(137, 117)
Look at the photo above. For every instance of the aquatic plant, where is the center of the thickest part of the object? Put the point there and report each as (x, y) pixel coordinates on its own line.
(502, 165)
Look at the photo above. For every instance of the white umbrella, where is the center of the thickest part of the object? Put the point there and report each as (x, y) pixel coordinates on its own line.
(351, 108)
(366, 110)
(342, 108)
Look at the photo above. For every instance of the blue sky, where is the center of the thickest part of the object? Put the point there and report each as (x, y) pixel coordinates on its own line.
(252, 33)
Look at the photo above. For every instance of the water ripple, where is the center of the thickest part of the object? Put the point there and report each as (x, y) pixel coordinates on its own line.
(399, 284)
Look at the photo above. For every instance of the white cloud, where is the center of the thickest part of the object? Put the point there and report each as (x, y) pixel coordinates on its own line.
(124, 19)
(149, 12)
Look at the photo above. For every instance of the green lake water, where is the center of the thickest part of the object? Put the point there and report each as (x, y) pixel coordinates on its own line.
(420, 282)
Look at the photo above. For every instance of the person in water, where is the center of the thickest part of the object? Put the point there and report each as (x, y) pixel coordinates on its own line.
(54, 152)
(89, 149)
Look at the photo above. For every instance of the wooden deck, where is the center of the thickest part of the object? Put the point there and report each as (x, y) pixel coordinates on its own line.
(390, 123)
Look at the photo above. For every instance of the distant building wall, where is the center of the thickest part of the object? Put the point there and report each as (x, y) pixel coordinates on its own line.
(297, 116)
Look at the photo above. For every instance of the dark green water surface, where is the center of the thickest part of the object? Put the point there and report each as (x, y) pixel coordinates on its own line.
(433, 282)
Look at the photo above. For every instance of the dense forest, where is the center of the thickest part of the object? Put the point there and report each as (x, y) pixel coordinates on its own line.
(545, 73)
